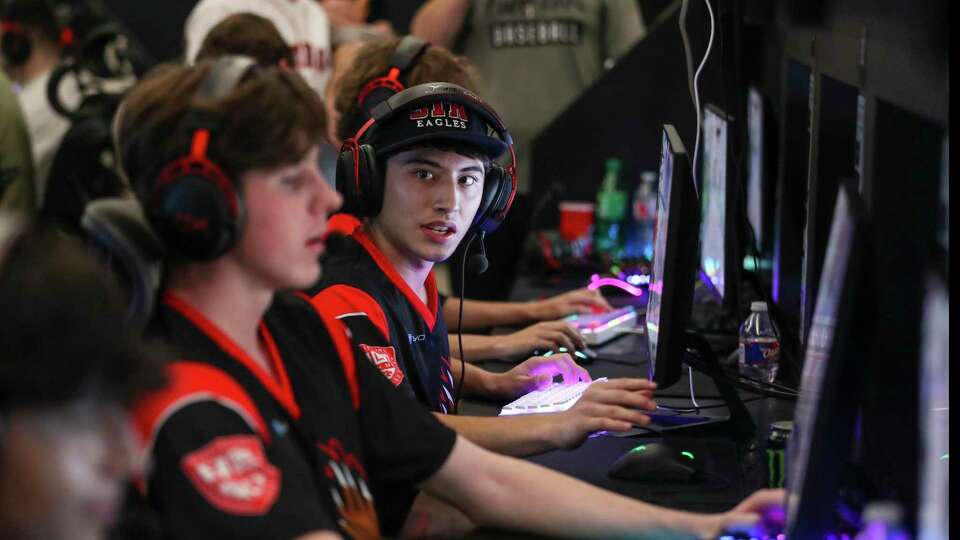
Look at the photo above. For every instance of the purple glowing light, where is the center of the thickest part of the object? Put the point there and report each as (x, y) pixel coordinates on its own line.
(596, 282)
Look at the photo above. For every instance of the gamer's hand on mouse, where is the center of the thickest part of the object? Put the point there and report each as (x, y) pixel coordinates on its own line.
(535, 373)
(614, 405)
(763, 509)
(542, 336)
(580, 301)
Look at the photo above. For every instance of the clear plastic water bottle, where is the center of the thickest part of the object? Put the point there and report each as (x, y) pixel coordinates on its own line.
(759, 346)
(883, 520)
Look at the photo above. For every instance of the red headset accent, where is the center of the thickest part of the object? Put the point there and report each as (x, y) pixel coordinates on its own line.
(6, 25)
(66, 36)
(391, 81)
(198, 164)
(512, 171)
(352, 145)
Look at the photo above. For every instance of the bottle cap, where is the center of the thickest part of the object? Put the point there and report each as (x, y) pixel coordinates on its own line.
(758, 306)
(648, 177)
(782, 425)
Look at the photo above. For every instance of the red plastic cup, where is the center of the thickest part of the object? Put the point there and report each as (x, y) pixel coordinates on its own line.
(576, 217)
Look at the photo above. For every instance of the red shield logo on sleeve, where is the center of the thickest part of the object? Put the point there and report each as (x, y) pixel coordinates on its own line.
(385, 358)
(233, 474)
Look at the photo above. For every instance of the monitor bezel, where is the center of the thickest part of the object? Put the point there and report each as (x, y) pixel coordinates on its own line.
(681, 260)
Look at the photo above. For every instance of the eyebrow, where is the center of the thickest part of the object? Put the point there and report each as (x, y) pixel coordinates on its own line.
(424, 161)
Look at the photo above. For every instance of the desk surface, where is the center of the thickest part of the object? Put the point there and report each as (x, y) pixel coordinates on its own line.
(732, 469)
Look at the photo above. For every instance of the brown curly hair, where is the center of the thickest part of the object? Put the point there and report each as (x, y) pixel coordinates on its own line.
(436, 64)
(272, 118)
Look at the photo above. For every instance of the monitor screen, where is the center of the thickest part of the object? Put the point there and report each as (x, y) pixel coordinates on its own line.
(943, 221)
(674, 262)
(714, 199)
(659, 247)
(816, 364)
(755, 163)
(934, 409)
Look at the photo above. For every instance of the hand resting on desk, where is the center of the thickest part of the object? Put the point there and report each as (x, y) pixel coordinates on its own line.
(615, 405)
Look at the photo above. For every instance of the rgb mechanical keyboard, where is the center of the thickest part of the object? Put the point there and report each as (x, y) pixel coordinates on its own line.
(554, 398)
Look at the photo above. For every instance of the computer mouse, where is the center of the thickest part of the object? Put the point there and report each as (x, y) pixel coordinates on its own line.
(657, 461)
(584, 356)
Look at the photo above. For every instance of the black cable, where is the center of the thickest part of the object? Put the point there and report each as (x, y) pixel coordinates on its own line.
(690, 410)
(463, 361)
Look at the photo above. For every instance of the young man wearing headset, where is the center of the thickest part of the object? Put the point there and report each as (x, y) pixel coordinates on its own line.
(380, 69)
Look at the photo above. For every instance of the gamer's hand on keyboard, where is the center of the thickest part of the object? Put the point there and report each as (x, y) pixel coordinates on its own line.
(580, 301)
(614, 405)
(542, 336)
(536, 373)
(759, 515)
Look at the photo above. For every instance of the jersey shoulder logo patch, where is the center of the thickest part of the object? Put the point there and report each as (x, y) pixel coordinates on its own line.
(385, 358)
(233, 474)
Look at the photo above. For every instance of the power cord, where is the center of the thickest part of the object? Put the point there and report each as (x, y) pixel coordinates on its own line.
(463, 361)
(696, 98)
(694, 85)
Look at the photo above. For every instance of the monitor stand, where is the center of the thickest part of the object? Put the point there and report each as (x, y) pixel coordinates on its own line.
(738, 422)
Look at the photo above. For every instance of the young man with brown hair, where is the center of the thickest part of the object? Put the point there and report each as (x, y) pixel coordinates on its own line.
(353, 95)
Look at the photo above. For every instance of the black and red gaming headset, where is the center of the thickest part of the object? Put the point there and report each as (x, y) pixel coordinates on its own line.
(408, 51)
(360, 179)
(16, 45)
(192, 204)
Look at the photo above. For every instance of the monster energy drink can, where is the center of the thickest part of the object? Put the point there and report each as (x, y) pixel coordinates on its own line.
(776, 445)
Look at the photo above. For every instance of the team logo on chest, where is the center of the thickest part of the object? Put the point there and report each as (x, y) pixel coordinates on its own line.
(440, 114)
(385, 358)
(233, 474)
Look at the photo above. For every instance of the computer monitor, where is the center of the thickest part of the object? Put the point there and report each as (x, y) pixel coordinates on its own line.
(793, 158)
(674, 261)
(826, 411)
(760, 173)
(934, 420)
(718, 195)
(943, 221)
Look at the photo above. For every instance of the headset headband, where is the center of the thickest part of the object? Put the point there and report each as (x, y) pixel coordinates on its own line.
(226, 74)
(404, 56)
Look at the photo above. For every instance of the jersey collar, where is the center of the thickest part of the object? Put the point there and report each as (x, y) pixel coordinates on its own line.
(278, 386)
(427, 311)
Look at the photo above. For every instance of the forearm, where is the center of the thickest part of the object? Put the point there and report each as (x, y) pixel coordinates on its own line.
(478, 314)
(513, 435)
(479, 347)
(440, 21)
(553, 504)
(479, 382)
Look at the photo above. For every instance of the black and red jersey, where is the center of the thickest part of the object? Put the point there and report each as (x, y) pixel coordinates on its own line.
(400, 334)
(237, 452)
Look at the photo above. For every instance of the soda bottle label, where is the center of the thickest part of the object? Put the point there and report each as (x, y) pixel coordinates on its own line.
(758, 353)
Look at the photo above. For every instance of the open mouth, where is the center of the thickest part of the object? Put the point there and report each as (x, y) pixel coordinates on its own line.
(439, 231)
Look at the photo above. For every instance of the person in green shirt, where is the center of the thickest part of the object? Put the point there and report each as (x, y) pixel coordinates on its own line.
(16, 164)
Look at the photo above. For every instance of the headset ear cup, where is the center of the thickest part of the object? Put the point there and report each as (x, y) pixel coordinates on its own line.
(193, 217)
(347, 182)
(371, 181)
(496, 199)
(16, 47)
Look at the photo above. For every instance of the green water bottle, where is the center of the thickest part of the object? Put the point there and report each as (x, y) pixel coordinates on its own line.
(610, 212)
